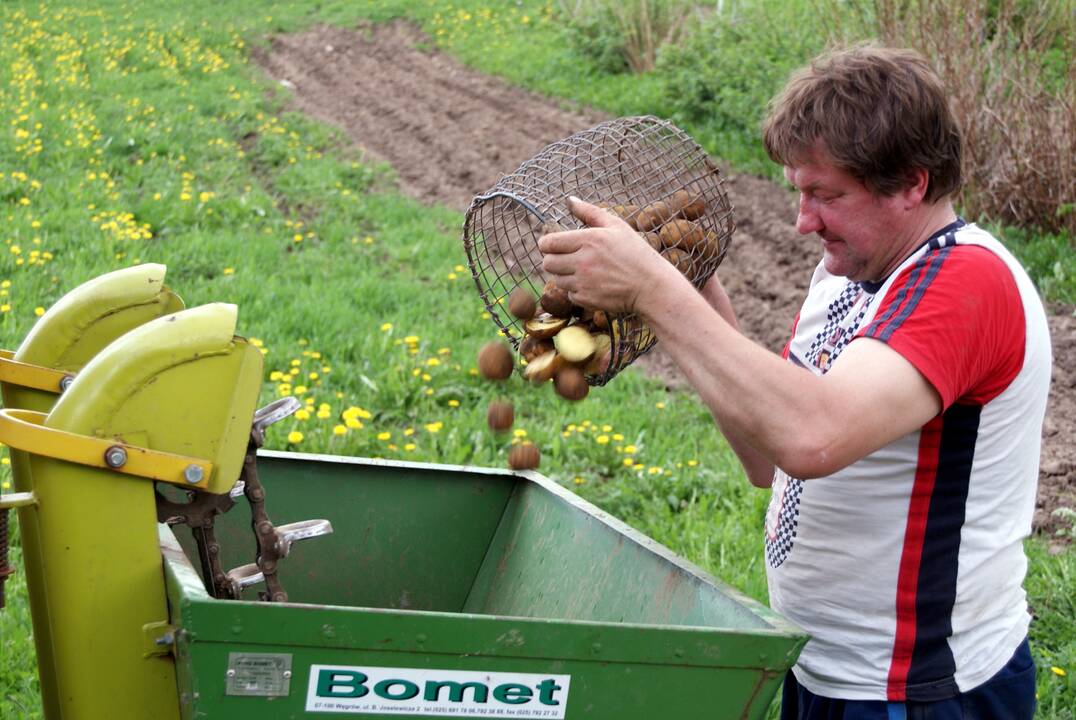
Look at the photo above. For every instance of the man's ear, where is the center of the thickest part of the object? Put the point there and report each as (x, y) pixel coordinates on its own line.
(915, 191)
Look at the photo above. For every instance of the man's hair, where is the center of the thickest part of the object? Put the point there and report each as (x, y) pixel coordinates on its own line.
(879, 114)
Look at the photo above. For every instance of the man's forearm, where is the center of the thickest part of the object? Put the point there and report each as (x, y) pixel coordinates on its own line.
(760, 402)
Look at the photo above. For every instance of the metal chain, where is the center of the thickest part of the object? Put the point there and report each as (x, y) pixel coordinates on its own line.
(201, 510)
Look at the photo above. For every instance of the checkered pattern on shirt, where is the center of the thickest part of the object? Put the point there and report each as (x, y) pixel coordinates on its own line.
(780, 545)
(845, 313)
(839, 315)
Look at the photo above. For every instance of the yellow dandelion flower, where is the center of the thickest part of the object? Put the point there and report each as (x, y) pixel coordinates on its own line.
(300, 389)
(434, 426)
(39, 311)
(353, 423)
(519, 433)
(602, 439)
(1060, 672)
(433, 362)
(692, 463)
(385, 327)
(295, 437)
(409, 447)
(276, 375)
(384, 435)
(339, 430)
(618, 437)
(302, 415)
(411, 339)
(229, 271)
(409, 431)
(628, 462)
(659, 405)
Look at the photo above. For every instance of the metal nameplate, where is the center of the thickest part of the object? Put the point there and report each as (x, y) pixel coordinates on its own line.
(259, 674)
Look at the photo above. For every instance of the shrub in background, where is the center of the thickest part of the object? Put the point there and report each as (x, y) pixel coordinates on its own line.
(625, 35)
(721, 77)
(1009, 65)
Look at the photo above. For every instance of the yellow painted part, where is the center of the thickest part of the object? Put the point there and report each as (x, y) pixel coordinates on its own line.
(24, 430)
(91, 316)
(31, 376)
(181, 384)
(103, 582)
(80, 324)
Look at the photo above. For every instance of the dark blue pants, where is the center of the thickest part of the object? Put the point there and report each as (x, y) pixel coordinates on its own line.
(1009, 695)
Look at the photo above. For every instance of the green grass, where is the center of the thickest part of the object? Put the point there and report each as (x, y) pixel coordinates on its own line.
(138, 133)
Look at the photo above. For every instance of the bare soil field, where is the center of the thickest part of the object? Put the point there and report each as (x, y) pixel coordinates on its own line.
(451, 132)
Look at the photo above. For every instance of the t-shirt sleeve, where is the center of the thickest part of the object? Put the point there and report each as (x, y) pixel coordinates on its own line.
(956, 315)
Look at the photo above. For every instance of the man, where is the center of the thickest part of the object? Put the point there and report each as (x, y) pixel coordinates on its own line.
(900, 429)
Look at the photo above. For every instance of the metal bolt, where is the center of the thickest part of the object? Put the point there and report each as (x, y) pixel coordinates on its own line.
(193, 474)
(230, 673)
(287, 674)
(115, 457)
(65, 382)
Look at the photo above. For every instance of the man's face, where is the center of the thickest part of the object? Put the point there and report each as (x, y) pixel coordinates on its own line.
(861, 233)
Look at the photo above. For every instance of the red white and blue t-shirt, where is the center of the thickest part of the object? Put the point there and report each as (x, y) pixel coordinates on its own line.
(906, 567)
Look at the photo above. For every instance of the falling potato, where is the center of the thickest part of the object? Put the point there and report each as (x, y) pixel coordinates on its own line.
(500, 415)
(495, 361)
(522, 304)
(570, 383)
(524, 456)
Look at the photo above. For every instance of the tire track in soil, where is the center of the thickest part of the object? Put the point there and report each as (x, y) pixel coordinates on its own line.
(450, 132)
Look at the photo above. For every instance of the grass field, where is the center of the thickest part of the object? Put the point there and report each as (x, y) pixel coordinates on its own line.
(136, 133)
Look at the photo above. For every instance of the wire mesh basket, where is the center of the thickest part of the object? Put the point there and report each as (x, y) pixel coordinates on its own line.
(644, 169)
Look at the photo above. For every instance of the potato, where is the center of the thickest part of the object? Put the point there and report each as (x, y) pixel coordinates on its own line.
(555, 301)
(543, 367)
(682, 234)
(687, 205)
(495, 361)
(522, 304)
(654, 216)
(599, 361)
(682, 261)
(500, 415)
(544, 326)
(570, 383)
(628, 213)
(524, 456)
(574, 344)
(532, 347)
(653, 239)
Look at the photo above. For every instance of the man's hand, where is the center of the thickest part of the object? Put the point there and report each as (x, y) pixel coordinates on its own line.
(605, 266)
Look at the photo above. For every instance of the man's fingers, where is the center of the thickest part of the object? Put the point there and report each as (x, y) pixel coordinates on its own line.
(592, 215)
(559, 265)
(559, 243)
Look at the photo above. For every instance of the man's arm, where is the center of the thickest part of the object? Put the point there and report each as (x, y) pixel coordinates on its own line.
(759, 470)
(809, 426)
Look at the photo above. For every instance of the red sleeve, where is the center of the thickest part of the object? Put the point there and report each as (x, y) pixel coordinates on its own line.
(956, 315)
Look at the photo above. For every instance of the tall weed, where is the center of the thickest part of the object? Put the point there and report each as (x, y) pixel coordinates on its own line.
(1009, 65)
(624, 35)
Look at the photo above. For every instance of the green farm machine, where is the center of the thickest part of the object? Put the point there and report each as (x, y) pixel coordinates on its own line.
(418, 590)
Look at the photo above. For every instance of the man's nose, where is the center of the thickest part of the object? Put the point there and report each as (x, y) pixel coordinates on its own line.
(807, 220)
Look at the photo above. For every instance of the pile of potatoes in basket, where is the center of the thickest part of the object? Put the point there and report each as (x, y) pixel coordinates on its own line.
(563, 342)
(669, 226)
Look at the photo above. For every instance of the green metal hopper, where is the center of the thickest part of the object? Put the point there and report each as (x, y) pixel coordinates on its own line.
(465, 592)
